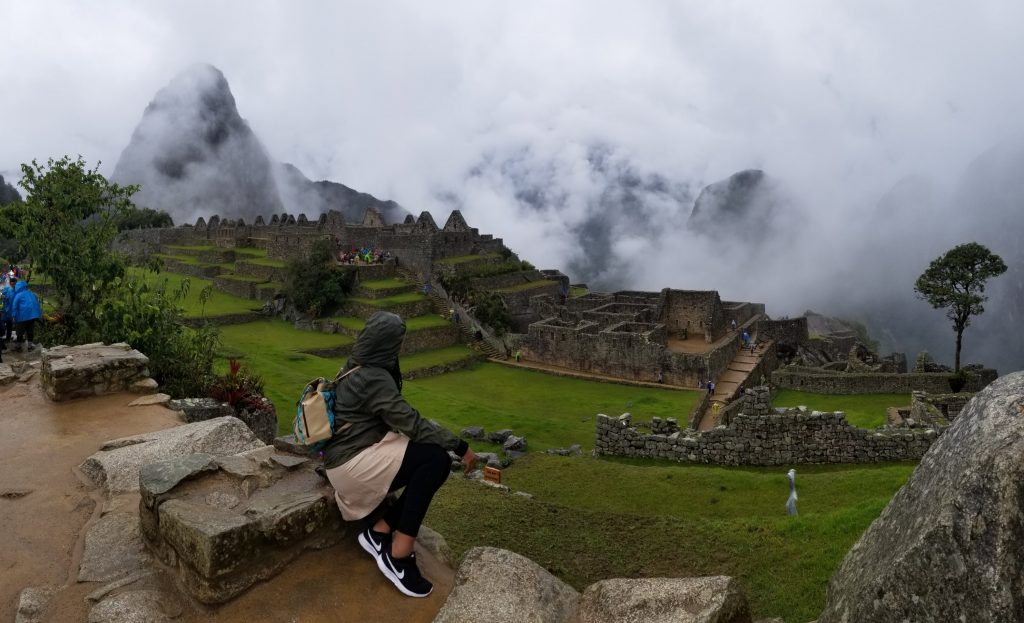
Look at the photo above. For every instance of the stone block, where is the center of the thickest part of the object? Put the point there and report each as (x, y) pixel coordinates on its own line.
(78, 371)
(223, 524)
(717, 599)
(201, 409)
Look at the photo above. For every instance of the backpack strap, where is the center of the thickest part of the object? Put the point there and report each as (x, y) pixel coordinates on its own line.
(342, 376)
(345, 425)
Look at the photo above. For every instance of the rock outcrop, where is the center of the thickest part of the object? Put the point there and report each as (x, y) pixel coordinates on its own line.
(499, 586)
(8, 193)
(947, 547)
(747, 206)
(716, 599)
(115, 468)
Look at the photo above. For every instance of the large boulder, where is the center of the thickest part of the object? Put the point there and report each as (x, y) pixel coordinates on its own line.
(716, 599)
(115, 468)
(499, 586)
(947, 547)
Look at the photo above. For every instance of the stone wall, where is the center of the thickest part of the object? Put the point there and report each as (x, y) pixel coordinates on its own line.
(925, 407)
(417, 243)
(429, 339)
(777, 439)
(693, 312)
(821, 381)
(789, 332)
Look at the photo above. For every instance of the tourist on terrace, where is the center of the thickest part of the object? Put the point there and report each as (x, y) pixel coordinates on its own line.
(383, 444)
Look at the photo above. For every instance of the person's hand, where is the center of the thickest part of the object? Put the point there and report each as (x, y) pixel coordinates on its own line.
(468, 461)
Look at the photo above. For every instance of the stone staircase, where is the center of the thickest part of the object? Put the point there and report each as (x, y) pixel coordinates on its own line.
(728, 383)
(443, 307)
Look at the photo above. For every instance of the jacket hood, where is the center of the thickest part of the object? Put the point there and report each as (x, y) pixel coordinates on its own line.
(19, 287)
(379, 342)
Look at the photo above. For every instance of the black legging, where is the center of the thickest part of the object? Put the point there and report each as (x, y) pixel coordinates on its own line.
(424, 469)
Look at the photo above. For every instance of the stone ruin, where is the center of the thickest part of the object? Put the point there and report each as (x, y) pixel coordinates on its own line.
(70, 372)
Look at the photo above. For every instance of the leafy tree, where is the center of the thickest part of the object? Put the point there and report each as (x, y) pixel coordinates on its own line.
(956, 282)
(314, 284)
(134, 218)
(491, 310)
(67, 223)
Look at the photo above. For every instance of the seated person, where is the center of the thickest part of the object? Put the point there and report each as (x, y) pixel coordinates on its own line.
(382, 444)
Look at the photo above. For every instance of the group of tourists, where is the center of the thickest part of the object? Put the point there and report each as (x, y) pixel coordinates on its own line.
(363, 255)
(19, 311)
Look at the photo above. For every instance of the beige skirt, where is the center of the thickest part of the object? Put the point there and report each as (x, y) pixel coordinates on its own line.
(361, 483)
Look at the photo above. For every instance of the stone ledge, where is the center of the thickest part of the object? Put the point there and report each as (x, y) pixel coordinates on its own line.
(222, 524)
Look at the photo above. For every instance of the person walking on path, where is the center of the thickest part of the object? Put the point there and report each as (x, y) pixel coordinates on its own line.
(7, 315)
(711, 387)
(26, 312)
(519, 355)
(383, 444)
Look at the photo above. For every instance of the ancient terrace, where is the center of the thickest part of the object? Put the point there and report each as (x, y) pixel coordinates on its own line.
(417, 242)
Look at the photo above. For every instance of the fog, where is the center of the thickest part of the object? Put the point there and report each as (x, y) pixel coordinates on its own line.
(582, 133)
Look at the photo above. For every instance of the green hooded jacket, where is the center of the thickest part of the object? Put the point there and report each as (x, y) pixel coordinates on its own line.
(369, 401)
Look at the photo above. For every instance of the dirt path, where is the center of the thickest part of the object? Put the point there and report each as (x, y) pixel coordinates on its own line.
(46, 509)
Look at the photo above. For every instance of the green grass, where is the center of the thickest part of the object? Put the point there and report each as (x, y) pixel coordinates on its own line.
(864, 411)
(527, 286)
(245, 278)
(200, 247)
(596, 519)
(253, 252)
(550, 411)
(262, 261)
(384, 284)
(462, 259)
(429, 321)
(275, 350)
(391, 301)
(353, 324)
(219, 304)
(575, 292)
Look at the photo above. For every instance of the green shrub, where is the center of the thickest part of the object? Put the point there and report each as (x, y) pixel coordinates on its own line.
(492, 311)
(315, 285)
(149, 318)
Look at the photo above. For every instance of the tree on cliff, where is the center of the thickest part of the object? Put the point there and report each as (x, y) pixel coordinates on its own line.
(956, 282)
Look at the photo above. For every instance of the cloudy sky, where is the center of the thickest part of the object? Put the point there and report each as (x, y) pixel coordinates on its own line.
(480, 104)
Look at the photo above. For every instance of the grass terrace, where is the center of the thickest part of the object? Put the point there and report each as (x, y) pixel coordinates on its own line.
(540, 283)
(349, 322)
(384, 284)
(595, 519)
(391, 301)
(219, 303)
(864, 410)
(576, 291)
(429, 321)
(550, 411)
(462, 259)
(262, 261)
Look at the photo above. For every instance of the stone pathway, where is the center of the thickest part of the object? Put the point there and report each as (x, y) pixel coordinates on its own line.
(729, 382)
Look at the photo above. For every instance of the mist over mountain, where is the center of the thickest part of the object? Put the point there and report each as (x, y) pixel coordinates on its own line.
(193, 155)
(747, 206)
(8, 192)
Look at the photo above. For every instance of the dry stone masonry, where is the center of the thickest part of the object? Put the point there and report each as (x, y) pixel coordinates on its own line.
(764, 437)
(70, 372)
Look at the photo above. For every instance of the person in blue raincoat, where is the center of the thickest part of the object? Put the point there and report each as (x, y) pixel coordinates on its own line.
(26, 313)
(7, 316)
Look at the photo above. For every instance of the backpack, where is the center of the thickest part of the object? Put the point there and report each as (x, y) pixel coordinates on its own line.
(314, 421)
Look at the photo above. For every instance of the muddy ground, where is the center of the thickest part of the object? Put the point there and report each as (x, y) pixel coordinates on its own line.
(45, 506)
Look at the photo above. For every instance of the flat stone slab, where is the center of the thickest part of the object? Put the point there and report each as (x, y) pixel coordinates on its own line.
(201, 409)
(142, 606)
(144, 386)
(288, 443)
(7, 374)
(222, 524)
(150, 399)
(113, 548)
(115, 468)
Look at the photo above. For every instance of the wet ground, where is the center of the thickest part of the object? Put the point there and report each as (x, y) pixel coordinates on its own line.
(45, 508)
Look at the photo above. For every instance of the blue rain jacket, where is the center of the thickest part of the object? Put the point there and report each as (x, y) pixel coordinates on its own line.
(26, 305)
